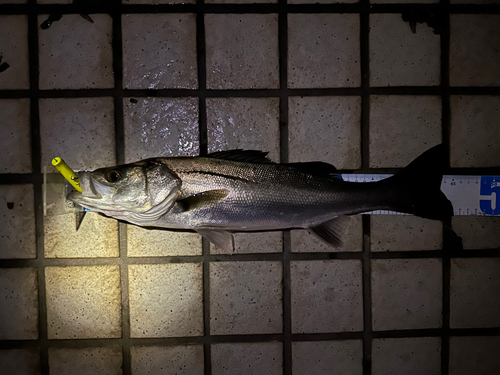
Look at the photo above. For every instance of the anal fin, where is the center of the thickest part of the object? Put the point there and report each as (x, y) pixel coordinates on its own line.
(220, 238)
(332, 231)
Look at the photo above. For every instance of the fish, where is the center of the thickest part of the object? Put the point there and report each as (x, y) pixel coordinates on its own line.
(244, 191)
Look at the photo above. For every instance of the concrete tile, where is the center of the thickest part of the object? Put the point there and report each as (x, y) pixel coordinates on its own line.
(475, 292)
(247, 358)
(304, 242)
(244, 123)
(76, 54)
(166, 300)
(158, 243)
(245, 298)
(402, 127)
(156, 127)
(96, 237)
(406, 294)
(15, 135)
(323, 50)
(248, 243)
(19, 308)
(474, 136)
(326, 296)
(242, 51)
(326, 128)
(83, 302)
(405, 233)
(398, 57)
(79, 130)
(477, 232)
(474, 52)
(409, 356)
(82, 361)
(474, 355)
(20, 361)
(159, 51)
(327, 357)
(17, 222)
(181, 360)
(14, 37)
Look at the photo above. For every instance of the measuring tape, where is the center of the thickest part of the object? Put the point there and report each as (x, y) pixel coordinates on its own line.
(469, 195)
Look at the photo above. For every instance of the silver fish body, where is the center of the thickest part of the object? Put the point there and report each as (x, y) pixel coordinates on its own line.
(215, 196)
(259, 196)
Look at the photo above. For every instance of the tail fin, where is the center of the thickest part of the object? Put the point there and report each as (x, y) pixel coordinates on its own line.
(421, 183)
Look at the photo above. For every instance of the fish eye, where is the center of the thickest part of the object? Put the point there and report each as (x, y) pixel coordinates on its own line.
(113, 176)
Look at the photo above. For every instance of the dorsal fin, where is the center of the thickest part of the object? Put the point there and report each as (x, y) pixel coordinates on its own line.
(319, 169)
(244, 156)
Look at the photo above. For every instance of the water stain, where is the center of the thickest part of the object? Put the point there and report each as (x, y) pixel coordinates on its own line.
(433, 20)
(48, 22)
(87, 17)
(3, 66)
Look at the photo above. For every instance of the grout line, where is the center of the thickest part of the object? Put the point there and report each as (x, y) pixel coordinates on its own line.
(37, 185)
(215, 93)
(445, 336)
(206, 308)
(203, 142)
(284, 158)
(247, 8)
(125, 302)
(447, 245)
(367, 298)
(120, 159)
(364, 34)
(118, 90)
(253, 93)
(20, 178)
(202, 78)
(416, 254)
(365, 88)
(287, 305)
(170, 341)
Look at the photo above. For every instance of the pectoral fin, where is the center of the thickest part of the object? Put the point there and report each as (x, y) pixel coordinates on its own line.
(220, 238)
(201, 200)
(332, 231)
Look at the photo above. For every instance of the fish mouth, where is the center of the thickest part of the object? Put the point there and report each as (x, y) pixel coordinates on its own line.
(88, 197)
(91, 199)
(88, 188)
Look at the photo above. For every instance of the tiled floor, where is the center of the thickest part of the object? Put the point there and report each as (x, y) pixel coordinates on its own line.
(342, 82)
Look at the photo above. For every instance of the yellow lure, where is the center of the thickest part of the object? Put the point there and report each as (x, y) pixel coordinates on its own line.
(67, 173)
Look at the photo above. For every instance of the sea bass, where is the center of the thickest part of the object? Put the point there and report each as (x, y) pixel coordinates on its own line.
(234, 191)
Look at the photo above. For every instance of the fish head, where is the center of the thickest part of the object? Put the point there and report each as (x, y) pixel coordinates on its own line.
(138, 192)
